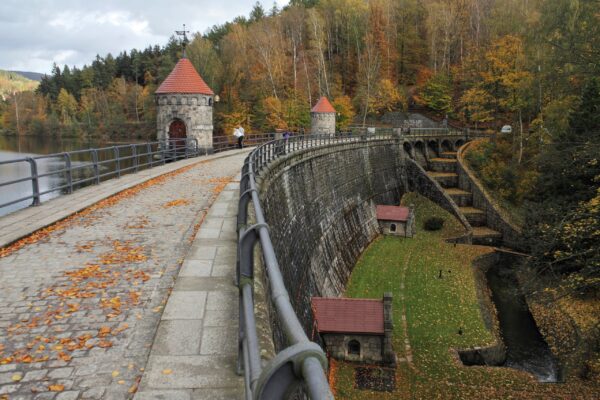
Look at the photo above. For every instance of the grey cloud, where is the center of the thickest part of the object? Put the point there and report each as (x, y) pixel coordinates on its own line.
(34, 34)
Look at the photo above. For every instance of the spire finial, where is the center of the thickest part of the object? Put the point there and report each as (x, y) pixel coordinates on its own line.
(184, 42)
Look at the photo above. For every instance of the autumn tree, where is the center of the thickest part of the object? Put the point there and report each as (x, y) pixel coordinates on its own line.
(477, 105)
(66, 106)
(437, 93)
(508, 80)
(201, 52)
(274, 112)
(563, 227)
(345, 112)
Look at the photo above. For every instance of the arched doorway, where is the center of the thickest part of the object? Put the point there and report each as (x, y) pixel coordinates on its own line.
(177, 136)
(177, 130)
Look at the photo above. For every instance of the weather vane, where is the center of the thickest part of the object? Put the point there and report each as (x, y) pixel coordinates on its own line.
(184, 42)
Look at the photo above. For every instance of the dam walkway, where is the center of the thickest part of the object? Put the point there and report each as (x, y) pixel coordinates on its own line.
(125, 290)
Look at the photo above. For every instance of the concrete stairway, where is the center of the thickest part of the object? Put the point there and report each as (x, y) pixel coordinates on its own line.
(443, 170)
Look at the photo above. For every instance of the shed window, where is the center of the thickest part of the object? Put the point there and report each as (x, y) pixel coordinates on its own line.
(392, 227)
(210, 102)
(354, 347)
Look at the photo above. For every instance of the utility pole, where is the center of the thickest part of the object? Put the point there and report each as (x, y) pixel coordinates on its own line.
(17, 112)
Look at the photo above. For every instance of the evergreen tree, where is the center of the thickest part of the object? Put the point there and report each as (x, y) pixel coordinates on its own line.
(586, 118)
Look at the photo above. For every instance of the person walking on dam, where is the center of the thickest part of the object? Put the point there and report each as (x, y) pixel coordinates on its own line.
(239, 134)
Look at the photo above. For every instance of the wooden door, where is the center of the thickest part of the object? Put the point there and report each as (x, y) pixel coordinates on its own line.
(177, 130)
(177, 135)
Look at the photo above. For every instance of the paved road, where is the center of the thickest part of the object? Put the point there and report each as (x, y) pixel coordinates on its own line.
(79, 308)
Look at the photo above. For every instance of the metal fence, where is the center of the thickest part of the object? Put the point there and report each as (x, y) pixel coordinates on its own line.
(303, 363)
(76, 169)
(415, 132)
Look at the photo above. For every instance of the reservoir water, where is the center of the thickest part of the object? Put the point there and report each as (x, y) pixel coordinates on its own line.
(12, 147)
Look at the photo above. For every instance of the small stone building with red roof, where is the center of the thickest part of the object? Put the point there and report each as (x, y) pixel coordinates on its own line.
(396, 220)
(323, 118)
(185, 106)
(356, 329)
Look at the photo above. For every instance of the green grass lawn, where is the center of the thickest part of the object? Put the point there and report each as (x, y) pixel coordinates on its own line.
(435, 310)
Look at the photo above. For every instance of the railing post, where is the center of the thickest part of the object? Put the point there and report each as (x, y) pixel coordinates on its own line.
(69, 172)
(117, 161)
(96, 166)
(35, 185)
(134, 157)
(148, 155)
(163, 146)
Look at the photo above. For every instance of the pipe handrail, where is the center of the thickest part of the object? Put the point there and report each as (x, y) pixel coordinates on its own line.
(302, 363)
(78, 168)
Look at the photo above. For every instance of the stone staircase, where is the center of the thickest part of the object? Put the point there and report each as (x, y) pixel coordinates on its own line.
(443, 170)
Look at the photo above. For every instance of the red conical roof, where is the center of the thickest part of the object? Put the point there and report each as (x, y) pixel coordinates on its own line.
(323, 106)
(184, 79)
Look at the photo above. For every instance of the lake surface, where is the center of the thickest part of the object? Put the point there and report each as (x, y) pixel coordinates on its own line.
(12, 147)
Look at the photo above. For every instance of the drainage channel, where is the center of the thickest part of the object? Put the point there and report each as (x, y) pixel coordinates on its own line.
(523, 347)
(526, 349)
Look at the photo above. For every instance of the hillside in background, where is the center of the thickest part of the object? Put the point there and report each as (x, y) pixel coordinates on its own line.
(11, 82)
(34, 76)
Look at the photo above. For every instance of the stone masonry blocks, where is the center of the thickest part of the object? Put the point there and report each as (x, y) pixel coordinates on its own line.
(195, 110)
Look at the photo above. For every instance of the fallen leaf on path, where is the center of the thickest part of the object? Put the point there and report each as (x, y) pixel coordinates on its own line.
(56, 388)
(175, 203)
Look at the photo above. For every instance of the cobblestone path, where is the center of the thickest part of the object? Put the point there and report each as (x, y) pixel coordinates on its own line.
(79, 308)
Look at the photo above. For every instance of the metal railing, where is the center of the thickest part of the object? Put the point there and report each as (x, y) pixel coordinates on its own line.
(448, 131)
(302, 363)
(467, 133)
(77, 169)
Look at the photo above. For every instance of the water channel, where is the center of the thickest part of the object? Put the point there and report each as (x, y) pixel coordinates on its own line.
(526, 348)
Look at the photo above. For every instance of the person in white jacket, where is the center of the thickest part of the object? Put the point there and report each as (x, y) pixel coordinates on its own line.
(239, 134)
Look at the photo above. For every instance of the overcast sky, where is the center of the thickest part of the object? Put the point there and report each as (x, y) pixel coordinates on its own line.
(36, 33)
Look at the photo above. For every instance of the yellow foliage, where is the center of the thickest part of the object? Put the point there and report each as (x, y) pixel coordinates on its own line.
(274, 113)
(345, 112)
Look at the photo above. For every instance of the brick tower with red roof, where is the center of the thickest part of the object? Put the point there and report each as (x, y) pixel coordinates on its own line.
(323, 118)
(185, 107)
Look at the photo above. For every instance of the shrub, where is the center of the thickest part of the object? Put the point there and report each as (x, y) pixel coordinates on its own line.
(433, 224)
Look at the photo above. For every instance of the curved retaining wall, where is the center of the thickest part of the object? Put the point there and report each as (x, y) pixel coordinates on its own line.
(320, 206)
(496, 217)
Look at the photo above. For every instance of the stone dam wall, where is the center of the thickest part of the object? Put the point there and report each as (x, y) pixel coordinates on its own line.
(320, 206)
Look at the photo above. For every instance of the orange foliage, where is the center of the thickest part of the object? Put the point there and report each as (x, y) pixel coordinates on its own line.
(332, 374)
